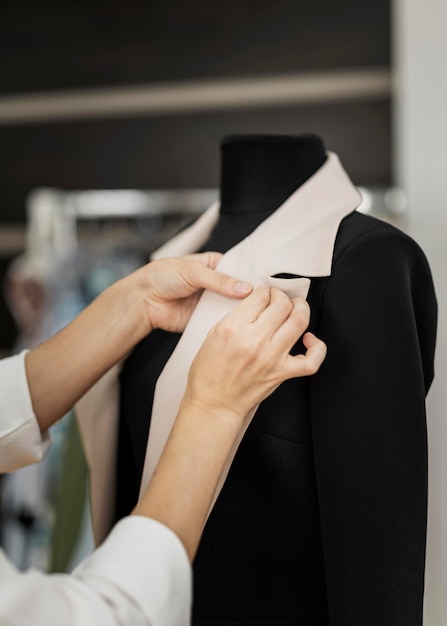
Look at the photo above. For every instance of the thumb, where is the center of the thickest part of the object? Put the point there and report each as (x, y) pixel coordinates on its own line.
(309, 363)
(207, 278)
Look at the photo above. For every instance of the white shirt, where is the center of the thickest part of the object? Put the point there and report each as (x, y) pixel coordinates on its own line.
(139, 575)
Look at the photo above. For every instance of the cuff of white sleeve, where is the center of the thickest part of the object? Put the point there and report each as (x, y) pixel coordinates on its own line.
(22, 442)
(146, 561)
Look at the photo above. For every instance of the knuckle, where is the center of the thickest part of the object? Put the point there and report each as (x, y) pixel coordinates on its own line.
(225, 329)
(281, 301)
(304, 369)
(302, 305)
(310, 368)
(286, 304)
(263, 294)
(302, 312)
(247, 350)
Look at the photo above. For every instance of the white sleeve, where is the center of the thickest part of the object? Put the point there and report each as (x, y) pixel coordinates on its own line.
(139, 576)
(21, 441)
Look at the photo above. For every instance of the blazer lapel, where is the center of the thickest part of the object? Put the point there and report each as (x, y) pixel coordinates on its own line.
(298, 238)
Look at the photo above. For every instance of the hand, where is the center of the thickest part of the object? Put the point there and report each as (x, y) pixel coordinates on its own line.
(172, 287)
(242, 360)
(161, 294)
(245, 357)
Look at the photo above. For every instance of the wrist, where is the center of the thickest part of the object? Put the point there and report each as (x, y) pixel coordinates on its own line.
(125, 313)
(216, 416)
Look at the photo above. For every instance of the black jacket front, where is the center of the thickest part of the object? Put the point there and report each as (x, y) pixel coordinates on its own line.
(322, 519)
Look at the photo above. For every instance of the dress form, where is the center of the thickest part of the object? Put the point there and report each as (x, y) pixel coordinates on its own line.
(258, 173)
(322, 517)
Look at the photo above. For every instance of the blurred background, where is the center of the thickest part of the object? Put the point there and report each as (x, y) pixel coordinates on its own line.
(135, 97)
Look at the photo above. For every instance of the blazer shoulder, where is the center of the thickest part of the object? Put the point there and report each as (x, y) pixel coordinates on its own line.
(358, 230)
(374, 259)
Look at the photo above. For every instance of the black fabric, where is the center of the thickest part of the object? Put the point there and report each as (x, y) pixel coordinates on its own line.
(378, 315)
(137, 386)
(322, 519)
(259, 172)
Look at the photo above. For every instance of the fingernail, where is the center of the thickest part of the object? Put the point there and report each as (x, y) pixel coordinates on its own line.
(243, 287)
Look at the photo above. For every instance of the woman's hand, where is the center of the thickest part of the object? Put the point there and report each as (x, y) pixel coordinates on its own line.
(245, 357)
(172, 287)
(242, 360)
(161, 294)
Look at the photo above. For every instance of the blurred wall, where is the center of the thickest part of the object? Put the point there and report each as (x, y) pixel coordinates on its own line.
(420, 35)
(334, 56)
(52, 47)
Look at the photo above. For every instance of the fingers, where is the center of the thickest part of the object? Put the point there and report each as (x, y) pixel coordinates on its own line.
(269, 310)
(309, 363)
(250, 352)
(272, 319)
(294, 325)
(249, 310)
(201, 275)
(283, 322)
(316, 349)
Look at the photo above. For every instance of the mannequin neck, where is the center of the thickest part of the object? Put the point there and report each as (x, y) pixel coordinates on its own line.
(259, 172)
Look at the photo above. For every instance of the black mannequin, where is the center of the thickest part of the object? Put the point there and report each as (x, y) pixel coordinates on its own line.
(322, 517)
(258, 173)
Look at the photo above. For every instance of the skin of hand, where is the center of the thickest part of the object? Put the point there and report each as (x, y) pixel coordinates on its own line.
(249, 350)
(162, 294)
(172, 288)
(242, 360)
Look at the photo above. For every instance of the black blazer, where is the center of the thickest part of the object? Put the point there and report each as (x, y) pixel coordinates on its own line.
(322, 519)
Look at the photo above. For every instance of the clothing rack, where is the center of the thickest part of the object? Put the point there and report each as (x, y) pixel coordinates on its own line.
(57, 215)
(57, 219)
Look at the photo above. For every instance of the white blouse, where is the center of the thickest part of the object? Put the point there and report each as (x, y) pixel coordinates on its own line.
(139, 575)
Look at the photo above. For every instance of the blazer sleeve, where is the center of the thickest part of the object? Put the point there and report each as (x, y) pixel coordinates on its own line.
(369, 428)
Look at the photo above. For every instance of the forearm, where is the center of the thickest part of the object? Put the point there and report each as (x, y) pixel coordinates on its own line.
(161, 294)
(64, 367)
(183, 485)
